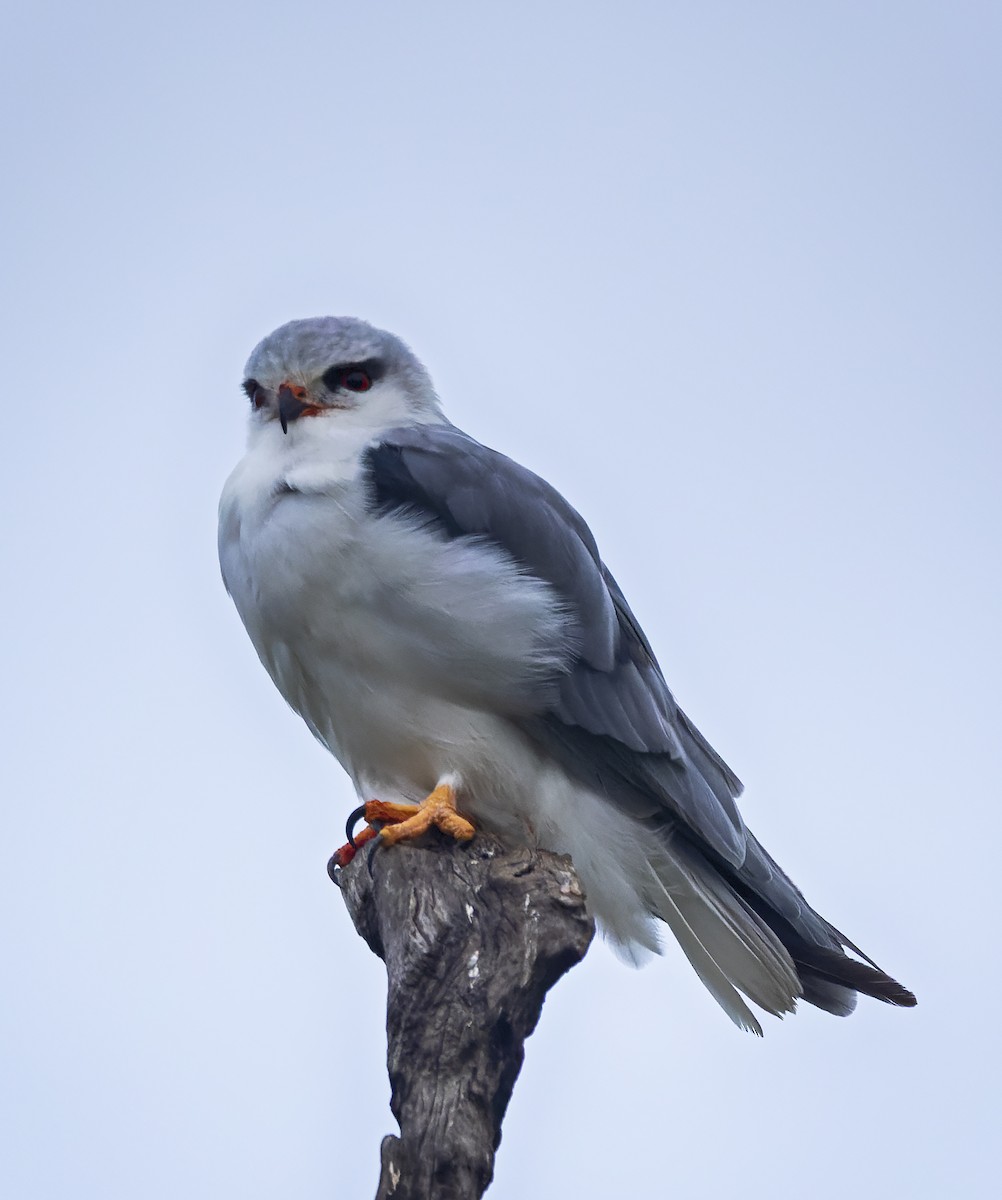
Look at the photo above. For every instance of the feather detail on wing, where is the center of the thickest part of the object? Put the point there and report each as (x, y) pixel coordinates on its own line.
(614, 716)
(610, 721)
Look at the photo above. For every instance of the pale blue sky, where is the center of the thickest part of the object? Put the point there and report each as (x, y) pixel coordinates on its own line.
(729, 276)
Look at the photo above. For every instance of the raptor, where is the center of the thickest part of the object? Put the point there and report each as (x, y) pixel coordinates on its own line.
(442, 620)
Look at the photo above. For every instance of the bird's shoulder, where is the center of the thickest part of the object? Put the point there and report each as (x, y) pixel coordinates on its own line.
(470, 485)
(471, 490)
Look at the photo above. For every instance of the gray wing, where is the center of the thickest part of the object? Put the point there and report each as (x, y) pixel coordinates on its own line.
(614, 722)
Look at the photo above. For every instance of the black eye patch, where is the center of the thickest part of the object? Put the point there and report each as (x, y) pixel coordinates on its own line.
(255, 393)
(343, 375)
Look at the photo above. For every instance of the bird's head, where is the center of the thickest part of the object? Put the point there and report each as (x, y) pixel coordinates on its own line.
(337, 369)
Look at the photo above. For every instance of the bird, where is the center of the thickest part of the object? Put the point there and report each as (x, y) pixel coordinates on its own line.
(442, 620)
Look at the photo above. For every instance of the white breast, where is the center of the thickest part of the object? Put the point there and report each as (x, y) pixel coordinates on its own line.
(396, 645)
(407, 653)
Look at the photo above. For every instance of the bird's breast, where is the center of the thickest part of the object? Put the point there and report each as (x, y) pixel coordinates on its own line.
(386, 635)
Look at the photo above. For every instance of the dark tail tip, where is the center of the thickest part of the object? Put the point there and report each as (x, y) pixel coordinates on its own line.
(837, 968)
(892, 992)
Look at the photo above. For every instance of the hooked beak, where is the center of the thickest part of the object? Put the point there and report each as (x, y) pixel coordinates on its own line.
(292, 403)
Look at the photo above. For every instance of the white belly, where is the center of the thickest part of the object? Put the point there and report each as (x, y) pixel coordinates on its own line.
(407, 655)
(401, 649)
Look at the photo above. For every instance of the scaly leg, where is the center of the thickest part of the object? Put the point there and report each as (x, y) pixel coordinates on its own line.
(412, 820)
(342, 857)
(401, 822)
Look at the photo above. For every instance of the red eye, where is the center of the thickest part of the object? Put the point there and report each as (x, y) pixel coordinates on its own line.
(357, 381)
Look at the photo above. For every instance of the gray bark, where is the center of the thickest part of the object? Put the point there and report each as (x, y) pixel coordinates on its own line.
(473, 936)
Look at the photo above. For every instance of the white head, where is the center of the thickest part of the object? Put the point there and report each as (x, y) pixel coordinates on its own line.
(337, 369)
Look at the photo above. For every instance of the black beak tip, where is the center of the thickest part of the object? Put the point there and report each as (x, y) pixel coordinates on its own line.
(290, 406)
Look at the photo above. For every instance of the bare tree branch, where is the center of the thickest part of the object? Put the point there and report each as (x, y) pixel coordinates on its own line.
(473, 936)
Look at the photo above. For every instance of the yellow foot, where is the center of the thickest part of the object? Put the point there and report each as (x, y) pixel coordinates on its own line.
(412, 820)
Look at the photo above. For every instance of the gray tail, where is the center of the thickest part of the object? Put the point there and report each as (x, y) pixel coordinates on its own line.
(750, 931)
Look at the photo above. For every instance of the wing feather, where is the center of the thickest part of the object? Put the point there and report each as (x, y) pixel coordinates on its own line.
(610, 719)
(614, 715)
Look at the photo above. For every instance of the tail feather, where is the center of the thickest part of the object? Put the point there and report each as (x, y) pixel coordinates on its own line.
(724, 940)
(740, 941)
(832, 997)
(832, 967)
(738, 944)
(713, 978)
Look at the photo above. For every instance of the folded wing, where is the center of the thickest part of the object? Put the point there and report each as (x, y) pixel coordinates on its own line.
(610, 718)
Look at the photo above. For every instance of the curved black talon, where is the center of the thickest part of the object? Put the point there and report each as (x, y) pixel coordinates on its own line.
(352, 822)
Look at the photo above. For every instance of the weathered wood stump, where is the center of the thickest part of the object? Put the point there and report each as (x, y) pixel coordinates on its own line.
(473, 936)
